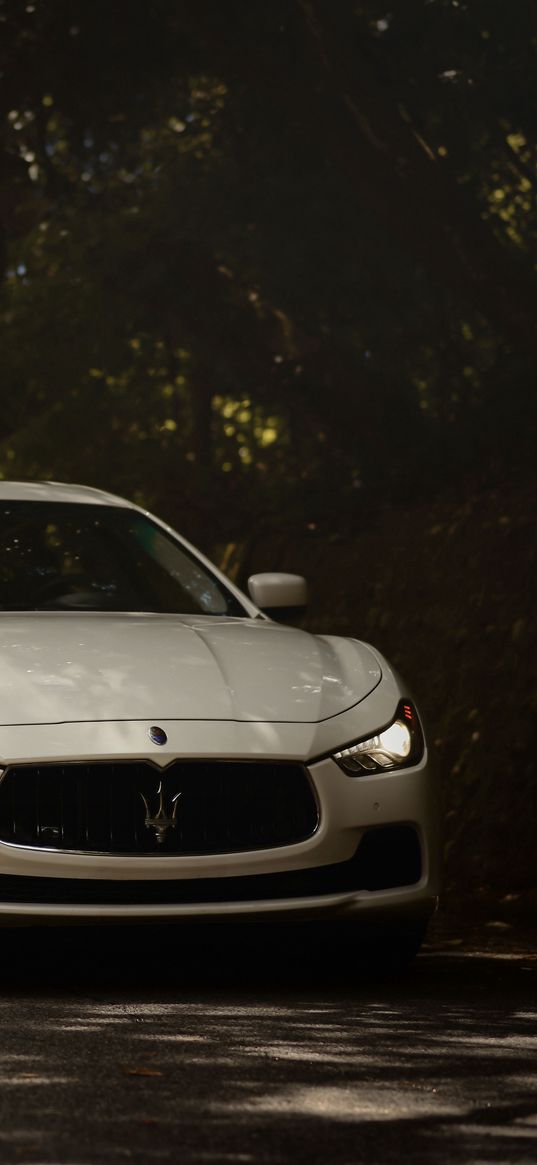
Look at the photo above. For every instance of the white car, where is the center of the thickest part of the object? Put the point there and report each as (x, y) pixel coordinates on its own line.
(170, 751)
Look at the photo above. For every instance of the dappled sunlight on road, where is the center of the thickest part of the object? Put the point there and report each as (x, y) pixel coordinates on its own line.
(151, 1053)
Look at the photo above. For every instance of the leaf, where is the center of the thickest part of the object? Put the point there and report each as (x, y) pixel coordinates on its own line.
(141, 1072)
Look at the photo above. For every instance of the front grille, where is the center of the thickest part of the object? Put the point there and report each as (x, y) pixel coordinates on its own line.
(194, 807)
(386, 857)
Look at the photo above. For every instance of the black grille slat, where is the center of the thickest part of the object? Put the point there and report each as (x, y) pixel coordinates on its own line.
(224, 806)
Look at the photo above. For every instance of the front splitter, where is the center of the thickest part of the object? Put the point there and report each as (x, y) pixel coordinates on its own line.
(404, 903)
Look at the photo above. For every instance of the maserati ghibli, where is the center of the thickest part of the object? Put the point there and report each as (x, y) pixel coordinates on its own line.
(172, 748)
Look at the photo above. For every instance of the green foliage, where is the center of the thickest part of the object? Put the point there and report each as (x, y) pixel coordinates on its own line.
(263, 252)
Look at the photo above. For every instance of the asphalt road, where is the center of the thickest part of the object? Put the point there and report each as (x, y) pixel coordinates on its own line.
(158, 1045)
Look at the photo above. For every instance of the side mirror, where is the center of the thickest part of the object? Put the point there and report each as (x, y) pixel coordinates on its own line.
(283, 597)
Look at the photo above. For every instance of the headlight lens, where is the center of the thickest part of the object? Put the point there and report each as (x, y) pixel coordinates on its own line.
(394, 747)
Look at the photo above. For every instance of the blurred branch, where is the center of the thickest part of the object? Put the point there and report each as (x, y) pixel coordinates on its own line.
(397, 176)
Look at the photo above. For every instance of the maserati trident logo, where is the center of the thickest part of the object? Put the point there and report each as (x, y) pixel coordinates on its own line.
(161, 821)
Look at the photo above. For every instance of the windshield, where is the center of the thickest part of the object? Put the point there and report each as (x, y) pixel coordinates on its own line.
(63, 557)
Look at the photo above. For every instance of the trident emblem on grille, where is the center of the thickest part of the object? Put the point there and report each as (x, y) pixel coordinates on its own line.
(160, 821)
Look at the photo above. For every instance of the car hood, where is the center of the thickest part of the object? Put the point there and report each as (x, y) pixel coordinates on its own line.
(57, 667)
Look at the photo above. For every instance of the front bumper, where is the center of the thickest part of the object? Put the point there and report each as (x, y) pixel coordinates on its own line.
(349, 809)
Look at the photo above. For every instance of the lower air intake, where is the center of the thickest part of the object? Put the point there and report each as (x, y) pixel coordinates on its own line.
(386, 857)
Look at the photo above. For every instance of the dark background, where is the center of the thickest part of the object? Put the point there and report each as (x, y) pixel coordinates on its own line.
(269, 269)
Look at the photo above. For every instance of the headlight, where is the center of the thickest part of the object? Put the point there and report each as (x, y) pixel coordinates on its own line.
(398, 745)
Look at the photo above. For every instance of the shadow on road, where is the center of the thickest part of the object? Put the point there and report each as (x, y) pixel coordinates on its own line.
(242, 1044)
(231, 956)
(223, 1044)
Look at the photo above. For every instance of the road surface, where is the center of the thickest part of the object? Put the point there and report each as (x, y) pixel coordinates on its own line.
(158, 1045)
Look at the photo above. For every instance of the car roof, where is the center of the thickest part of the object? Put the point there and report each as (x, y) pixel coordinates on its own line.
(57, 491)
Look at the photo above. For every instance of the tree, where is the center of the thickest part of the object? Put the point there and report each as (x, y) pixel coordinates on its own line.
(258, 245)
